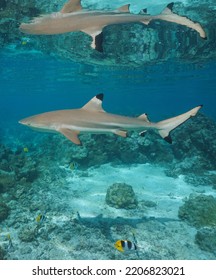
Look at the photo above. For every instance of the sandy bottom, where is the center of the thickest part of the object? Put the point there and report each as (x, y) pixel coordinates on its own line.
(80, 225)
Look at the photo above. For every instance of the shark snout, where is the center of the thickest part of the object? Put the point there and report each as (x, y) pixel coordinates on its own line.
(24, 122)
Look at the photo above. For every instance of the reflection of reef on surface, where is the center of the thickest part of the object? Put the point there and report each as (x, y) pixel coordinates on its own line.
(126, 44)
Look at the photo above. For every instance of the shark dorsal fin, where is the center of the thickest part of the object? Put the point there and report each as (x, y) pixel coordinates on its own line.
(95, 104)
(124, 9)
(71, 6)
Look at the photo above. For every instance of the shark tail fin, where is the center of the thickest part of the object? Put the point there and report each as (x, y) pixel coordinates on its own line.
(168, 15)
(166, 126)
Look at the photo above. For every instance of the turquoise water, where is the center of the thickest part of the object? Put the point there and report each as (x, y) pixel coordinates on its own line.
(35, 83)
(45, 174)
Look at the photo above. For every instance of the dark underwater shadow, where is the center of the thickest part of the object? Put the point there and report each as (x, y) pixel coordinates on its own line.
(105, 224)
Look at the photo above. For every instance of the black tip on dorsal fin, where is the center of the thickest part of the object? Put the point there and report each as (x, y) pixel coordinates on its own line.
(170, 6)
(168, 139)
(100, 96)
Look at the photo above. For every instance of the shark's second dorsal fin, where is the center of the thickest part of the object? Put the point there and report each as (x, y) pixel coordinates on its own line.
(71, 6)
(124, 9)
(144, 117)
(168, 9)
(95, 104)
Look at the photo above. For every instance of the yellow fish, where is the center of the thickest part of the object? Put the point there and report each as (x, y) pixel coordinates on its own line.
(73, 166)
(25, 149)
(125, 245)
(40, 218)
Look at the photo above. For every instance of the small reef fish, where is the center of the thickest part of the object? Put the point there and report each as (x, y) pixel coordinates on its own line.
(25, 149)
(92, 118)
(73, 18)
(10, 244)
(40, 218)
(73, 166)
(125, 245)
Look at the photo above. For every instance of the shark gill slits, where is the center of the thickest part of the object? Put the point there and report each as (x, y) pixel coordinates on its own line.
(100, 96)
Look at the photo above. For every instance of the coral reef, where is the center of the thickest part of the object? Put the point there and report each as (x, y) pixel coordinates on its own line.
(199, 211)
(2, 253)
(206, 240)
(195, 155)
(27, 234)
(121, 195)
(4, 211)
(16, 167)
(7, 180)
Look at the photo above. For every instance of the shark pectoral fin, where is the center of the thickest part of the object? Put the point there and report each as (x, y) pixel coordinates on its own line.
(71, 135)
(97, 38)
(124, 9)
(121, 133)
(71, 6)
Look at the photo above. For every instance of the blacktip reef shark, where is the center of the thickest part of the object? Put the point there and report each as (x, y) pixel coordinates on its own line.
(92, 118)
(73, 18)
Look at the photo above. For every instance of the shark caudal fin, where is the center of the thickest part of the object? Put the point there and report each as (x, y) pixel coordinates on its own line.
(168, 15)
(166, 126)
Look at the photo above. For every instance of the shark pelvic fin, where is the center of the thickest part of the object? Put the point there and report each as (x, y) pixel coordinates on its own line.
(143, 12)
(71, 135)
(121, 133)
(71, 6)
(95, 104)
(124, 9)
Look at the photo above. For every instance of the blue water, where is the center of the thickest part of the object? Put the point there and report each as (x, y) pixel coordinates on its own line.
(35, 83)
